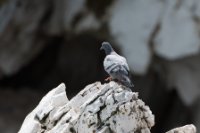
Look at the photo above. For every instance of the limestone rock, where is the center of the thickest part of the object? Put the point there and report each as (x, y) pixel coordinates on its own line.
(72, 9)
(178, 35)
(19, 38)
(107, 108)
(184, 76)
(185, 129)
(47, 106)
(132, 31)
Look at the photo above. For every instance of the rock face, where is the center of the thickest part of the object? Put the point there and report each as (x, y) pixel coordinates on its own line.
(130, 34)
(107, 108)
(19, 37)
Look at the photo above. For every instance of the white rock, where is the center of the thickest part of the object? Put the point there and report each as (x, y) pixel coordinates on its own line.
(31, 124)
(185, 129)
(132, 23)
(184, 75)
(197, 8)
(97, 108)
(178, 36)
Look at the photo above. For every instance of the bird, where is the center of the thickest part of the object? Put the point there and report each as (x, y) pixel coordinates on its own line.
(116, 66)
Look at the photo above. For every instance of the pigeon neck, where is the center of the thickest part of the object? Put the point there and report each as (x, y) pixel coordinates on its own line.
(109, 51)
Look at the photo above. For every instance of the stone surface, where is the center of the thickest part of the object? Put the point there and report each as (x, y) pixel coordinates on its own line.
(53, 100)
(72, 9)
(178, 35)
(185, 129)
(97, 108)
(131, 30)
(19, 38)
(184, 75)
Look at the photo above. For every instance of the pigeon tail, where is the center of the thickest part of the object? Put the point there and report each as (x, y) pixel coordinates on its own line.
(128, 83)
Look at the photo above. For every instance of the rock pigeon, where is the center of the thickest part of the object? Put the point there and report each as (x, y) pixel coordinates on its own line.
(116, 66)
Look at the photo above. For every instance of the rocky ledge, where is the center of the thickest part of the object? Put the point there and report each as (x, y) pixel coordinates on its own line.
(98, 108)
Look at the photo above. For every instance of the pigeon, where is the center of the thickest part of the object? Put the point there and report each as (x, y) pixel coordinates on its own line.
(116, 66)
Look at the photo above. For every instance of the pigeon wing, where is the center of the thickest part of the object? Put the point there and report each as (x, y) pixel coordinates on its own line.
(116, 64)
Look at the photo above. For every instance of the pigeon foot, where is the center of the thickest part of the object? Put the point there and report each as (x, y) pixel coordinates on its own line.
(108, 79)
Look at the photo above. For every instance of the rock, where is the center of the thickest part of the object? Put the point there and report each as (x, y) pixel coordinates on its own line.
(185, 129)
(89, 22)
(55, 25)
(196, 8)
(77, 17)
(26, 28)
(20, 40)
(183, 75)
(178, 35)
(172, 31)
(72, 9)
(54, 99)
(97, 108)
(132, 31)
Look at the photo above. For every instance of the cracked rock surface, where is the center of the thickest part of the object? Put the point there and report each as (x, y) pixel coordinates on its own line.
(98, 108)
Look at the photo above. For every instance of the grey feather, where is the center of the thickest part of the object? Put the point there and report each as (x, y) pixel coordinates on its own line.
(116, 66)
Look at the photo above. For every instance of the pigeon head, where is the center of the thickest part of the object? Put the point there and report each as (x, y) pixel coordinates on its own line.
(106, 47)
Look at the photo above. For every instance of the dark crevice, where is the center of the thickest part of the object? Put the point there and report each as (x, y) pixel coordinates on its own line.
(153, 36)
(99, 7)
(77, 19)
(30, 75)
(72, 130)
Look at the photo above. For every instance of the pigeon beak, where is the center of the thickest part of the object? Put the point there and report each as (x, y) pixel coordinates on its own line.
(101, 48)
